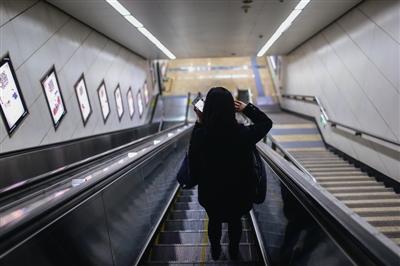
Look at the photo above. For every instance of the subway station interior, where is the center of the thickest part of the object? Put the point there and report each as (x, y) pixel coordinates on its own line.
(97, 115)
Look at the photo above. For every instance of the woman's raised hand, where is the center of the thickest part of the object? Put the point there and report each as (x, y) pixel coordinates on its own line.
(239, 106)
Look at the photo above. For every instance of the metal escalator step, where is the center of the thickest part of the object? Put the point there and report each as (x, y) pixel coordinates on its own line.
(388, 194)
(383, 220)
(396, 240)
(194, 237)
(187, 214)
(320, 160)
(383, 211)
(333, 173)
(192, 198)
(187, 206)
(324, 165)
(199, 253)
(196, 224)
(188, 192)
(338, 191)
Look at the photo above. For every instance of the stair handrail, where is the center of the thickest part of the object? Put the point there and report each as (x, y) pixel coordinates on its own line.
(357, 132)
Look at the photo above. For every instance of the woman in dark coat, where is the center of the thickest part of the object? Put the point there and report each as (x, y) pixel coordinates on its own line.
(221, 160)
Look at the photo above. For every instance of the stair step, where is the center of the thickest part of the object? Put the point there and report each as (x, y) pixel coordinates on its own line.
(390, 231)
(199, 253)
(383, 211)
(372, 203)
(352, 184)
(389, 194)
(331, 169)
(320, 160)
(193, 237)
(384, 220)
(358, 190)
(333, 173)
(347, 178)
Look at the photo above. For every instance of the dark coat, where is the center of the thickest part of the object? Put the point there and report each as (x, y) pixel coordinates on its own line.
(222, 163)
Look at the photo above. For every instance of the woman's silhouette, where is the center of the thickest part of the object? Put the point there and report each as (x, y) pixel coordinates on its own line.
(221, 160)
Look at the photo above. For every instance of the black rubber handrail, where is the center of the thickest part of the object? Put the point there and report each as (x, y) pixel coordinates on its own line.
(357, 132)
(359, 243)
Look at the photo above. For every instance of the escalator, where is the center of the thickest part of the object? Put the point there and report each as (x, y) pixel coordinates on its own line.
(182, 238)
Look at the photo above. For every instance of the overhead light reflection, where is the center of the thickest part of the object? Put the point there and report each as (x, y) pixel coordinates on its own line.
(284, 26)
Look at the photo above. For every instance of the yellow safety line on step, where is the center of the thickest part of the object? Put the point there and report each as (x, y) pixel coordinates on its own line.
(204, 242)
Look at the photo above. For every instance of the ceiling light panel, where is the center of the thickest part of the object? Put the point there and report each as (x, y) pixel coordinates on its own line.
(284, 26)
(139, 26)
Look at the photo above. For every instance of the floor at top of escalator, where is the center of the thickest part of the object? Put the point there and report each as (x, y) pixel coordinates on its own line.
(183, 239)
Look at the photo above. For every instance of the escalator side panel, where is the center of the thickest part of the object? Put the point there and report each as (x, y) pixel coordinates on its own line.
(134, 203)
(79, 238)
(290, 234)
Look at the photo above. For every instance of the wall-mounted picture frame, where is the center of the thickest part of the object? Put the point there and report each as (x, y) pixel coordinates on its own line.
(12, 104)
(118, 102)
(139, 101)
(131, 102)
(83, 99)
(146, 93)
(53, 95)
(103, 99)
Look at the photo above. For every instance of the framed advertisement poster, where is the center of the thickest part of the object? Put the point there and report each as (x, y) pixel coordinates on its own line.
(83, 99)
(118, 102)
(140, 103)
(146, 93)
(54, 98)
(12, 105)
(103, 99)
(131, 105)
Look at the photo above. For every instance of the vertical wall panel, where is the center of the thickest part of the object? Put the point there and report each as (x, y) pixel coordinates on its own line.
(353, 67)
(37, 36)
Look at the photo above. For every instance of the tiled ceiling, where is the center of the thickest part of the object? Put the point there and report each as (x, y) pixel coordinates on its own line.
(206, 28)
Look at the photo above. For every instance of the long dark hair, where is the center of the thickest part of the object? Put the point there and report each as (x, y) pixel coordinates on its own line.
(219, 111)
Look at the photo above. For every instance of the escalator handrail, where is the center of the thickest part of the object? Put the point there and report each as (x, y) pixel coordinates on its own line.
(359, 240)
(96, 175)
(70, 167)
(357, 132)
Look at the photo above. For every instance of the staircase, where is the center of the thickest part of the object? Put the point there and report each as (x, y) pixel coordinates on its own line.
(183, 239)
(369, 198)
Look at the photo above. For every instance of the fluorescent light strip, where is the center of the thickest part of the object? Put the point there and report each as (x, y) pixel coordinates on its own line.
(284, 26)
(139, 26)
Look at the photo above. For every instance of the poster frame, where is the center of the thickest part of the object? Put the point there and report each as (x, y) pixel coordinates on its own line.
(108, 101)
(82, 77)
(10, 130)
(116, 103)
(139, 95)
(42, 80)
(133, 101)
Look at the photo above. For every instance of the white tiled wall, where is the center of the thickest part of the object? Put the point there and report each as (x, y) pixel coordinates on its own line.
(353, 67)
(37, 35)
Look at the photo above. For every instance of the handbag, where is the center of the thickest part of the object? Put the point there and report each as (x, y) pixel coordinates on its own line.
(261, 178)
(184, 178)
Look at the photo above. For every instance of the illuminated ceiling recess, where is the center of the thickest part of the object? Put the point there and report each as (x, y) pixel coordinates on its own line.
(136, 23)
(284, 26)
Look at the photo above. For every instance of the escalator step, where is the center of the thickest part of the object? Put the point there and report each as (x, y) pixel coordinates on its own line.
(187, 214)
(193, 237)
(187, 206)
(376, 203)
(390, 231)
(192, 198)
(188, 192)
(198, 253)
(191, 225)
